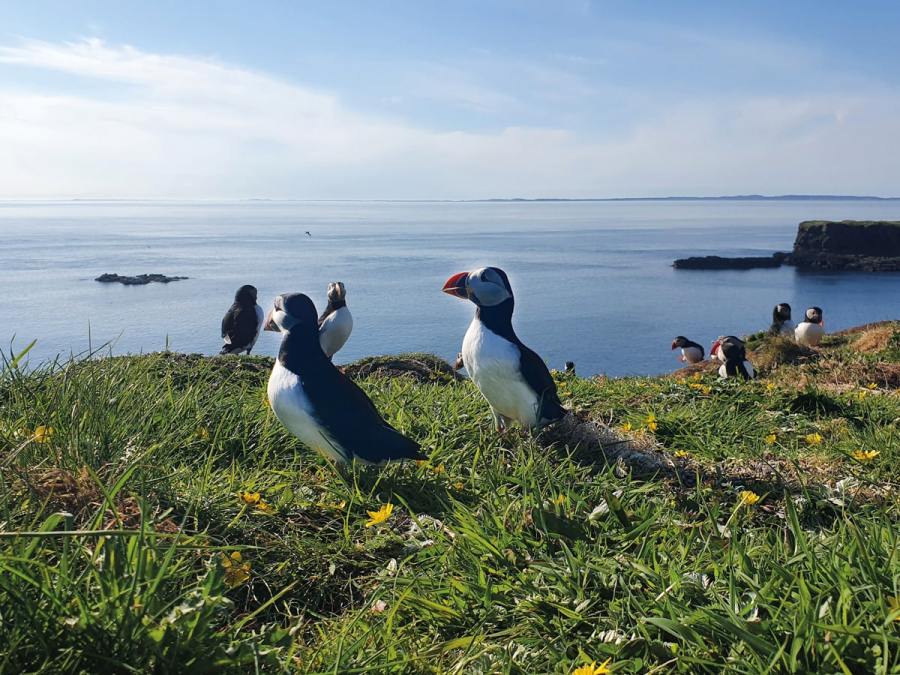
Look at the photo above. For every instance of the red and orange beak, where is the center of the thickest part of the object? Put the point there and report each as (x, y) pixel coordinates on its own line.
(715, 347)
(673, 344)
(269, 323)
(456, 285)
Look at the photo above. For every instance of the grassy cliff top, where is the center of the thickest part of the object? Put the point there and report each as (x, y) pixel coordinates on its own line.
(155, 516)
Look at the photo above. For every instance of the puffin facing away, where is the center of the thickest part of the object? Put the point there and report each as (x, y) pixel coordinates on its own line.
(242, 322)
(733, 353)
(336, 322)
(809, 332)
(319, 404)
(691, 352)
(781, 320)
(512, 378)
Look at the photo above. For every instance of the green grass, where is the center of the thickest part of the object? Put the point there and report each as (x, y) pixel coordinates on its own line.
(501, 555)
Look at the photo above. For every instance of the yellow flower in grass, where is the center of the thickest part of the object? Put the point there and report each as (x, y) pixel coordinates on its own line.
(560, 500)
(439, 469)
(236, 570)
(593, 669)
(871, 386)
(650, 421)
(43, 434)
(379, 516)
(770, 439)
(749, 497)
(202, 434)
(264, 506)
(770, 386)
(894, 606)
(459, 485)
(696, 377)
(814, 439)
(250, 498)
(625, 427)
(865, 455)
(682, 453)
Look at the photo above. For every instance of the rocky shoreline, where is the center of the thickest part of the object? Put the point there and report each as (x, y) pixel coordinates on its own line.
(136, 280)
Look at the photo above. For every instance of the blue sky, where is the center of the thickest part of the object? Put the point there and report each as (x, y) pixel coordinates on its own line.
(414, 100)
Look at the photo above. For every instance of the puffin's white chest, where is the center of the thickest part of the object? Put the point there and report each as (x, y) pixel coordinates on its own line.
(787, 328)
(260, 317)
(293, 409)
(809, 334)
(335, 330)
(692, 355)
(493, 364)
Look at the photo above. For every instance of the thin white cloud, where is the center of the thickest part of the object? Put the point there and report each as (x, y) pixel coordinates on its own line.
(169, 126)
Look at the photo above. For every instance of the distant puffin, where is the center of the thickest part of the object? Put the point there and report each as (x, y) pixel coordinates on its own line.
(336, 322)
(810, 331)
(319, 404)
(781, 320)
(512, 378)
(732, 352)
(242, 322)
(691, 352)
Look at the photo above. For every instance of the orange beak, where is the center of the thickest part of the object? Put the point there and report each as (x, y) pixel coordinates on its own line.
(456, 286)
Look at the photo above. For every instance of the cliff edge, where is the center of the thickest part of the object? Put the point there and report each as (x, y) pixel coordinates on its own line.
(865, 245)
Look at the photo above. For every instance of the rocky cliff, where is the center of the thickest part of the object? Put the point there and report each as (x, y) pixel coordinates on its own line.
(867, 245)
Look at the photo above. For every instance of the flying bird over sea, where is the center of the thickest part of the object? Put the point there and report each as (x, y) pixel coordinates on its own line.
(242, 322)
(691, 352)
(317, 403)
(809, 332)
(512, 378)
(336, 322)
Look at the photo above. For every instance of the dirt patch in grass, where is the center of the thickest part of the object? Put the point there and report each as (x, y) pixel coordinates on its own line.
(422, 368)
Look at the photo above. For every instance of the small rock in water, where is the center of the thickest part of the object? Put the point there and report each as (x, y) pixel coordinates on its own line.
(137, 280)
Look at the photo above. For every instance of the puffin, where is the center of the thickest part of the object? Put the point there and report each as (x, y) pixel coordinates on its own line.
(781, 320)
(320, 405)
(691, 352)
(336, 322)
(731, 351)
(810, 331)
(242, 322)
(512, 378)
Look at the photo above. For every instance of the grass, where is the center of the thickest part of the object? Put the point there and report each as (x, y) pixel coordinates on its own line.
(126, 546)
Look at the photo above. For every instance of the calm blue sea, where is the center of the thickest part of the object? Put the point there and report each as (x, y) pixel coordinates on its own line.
(593, 281)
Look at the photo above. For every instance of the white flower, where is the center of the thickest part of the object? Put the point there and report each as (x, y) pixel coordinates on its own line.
(599, 511)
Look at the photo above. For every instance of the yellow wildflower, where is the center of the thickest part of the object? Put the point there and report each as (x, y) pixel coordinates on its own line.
(251, 498)
(236, 571)
(865, 455)
(459, 485)
(861, 395)
(43, 434)
(696, 377)
(814, 439)
(871, 386)
(749, 497)
(379, 516)
(625, 427)
(894, 606)
(770, 386)
(202, 433)
(651, 422)
(695, 385)
(682, 453)
(439, 469)
(560, 500)
(593, 669)
(770, 439)
(264, 506)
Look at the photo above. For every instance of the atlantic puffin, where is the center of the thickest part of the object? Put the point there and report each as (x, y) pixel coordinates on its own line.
(336, 322)
(733, 354)
(809, 332)
(317, 403)
(512, 378)
(691, 352)
(242, 322)
(781, 320)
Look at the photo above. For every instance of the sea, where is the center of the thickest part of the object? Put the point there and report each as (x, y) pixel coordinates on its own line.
(593, 281)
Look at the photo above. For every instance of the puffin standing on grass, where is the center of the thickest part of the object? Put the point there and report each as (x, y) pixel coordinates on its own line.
(512, 378)
(809, 332)
(691, 352)
(336, 322)
(317, 402)
(733, 354)
(781, 321)
(242, 322)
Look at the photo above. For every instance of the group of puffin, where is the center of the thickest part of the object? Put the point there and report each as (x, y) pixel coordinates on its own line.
(732, 352)
(329, 413)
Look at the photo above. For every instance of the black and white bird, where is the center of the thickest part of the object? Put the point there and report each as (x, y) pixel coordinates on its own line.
(317, 402)
(336, 322)
(781, 320)
(732, 352)
(242, 322)
(511, 377)
(691, 352)
(809, 332)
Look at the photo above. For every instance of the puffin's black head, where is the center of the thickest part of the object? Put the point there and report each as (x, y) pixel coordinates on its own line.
(814, 315)
(246, 295)
(733, 348)
(486, 287)
(679, 341)
(781, 313)
(293, 312)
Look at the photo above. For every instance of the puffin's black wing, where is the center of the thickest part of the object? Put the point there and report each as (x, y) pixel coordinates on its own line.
(691, 343)
(239, 325)
(538, 377)
(354, 421)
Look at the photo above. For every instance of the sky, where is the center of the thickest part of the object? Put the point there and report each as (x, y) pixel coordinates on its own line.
(448, 100)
